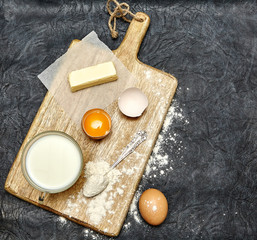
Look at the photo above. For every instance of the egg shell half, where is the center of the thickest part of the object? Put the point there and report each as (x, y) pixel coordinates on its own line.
(132, 102)
(153, 206)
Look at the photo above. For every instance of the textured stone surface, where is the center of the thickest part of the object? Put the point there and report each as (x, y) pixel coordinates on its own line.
(210, 47)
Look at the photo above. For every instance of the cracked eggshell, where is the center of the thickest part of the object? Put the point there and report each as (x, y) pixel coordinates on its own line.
(132, 102)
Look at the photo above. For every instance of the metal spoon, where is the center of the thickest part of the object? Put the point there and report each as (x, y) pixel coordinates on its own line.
(95, 184)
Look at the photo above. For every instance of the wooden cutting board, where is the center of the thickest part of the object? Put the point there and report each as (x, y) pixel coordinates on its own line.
(159, 88)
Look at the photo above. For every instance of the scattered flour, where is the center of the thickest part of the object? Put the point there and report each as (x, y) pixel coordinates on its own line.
(62, 220)
(100, 205)
(159, 164)
(133, 207)
(90, 234)
(148, 74)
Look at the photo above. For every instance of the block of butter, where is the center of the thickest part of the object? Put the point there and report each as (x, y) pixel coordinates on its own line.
(91, 76)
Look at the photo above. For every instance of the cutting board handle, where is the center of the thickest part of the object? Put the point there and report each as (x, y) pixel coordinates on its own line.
(134, 36)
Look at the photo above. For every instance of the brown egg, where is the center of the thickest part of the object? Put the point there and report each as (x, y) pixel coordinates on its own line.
(153, 206)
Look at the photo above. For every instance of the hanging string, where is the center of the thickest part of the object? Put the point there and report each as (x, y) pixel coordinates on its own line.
(120, 11)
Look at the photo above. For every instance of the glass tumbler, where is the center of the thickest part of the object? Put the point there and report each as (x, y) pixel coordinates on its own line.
(51, 162)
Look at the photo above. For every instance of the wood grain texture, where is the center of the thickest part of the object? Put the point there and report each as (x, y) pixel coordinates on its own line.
(159, 88)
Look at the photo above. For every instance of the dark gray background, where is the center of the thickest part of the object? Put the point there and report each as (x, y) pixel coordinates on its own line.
(210, 47)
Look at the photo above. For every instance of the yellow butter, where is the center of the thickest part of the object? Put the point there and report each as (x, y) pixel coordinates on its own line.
(91, 76)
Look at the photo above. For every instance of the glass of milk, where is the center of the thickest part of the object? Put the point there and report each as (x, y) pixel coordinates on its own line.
(52, 162)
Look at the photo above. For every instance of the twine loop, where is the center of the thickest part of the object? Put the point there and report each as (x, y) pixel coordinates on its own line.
(120, 11)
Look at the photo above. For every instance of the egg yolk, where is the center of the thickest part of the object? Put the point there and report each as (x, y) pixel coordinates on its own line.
(97, 123)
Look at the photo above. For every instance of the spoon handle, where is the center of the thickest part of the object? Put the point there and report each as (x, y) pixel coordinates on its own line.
(139, 138)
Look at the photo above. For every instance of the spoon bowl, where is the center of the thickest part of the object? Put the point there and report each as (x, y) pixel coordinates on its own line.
(95, 184)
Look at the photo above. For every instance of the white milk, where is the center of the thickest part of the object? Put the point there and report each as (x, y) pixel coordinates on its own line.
(53, 162)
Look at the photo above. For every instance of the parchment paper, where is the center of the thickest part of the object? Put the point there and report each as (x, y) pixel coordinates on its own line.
(90, 51)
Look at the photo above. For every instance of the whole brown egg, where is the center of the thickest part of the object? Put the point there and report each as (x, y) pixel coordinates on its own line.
(153, 206)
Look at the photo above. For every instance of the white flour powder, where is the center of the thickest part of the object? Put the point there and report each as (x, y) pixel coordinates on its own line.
(98, 206)
(62, 220)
